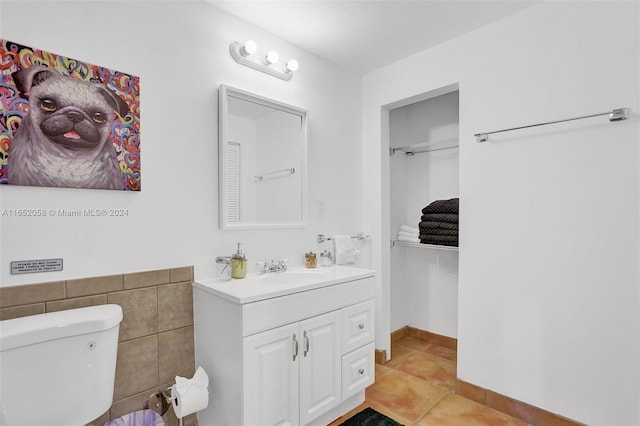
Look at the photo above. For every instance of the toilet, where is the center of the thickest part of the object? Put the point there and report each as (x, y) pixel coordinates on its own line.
(58, 368)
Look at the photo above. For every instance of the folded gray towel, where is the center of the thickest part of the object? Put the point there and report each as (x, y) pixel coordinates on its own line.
(438, 231)
(440, 240)
(440, 217)
(425, 226)
(442, 206)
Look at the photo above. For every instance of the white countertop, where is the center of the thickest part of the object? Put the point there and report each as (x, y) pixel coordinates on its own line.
(256, 287)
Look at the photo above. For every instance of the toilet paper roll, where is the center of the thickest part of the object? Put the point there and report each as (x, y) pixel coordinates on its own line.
(190, 395)
(192, 400)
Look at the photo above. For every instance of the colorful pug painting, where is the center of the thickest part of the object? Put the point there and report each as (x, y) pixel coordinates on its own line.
(64, 123)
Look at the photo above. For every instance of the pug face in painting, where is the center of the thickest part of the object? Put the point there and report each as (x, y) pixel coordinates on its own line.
(64, 139)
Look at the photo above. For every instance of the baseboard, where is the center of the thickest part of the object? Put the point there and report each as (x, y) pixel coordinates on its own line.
(381, 356)
(438, 339)
(400, 334)
(425, 336)
(518, 409)
(415, 333)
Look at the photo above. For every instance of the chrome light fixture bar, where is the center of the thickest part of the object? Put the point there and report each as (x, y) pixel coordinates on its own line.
(617, 114)
(247, 54)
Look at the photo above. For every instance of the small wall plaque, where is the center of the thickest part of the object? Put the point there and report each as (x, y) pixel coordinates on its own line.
(33, 266)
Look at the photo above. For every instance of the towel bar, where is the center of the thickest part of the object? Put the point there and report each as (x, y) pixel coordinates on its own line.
(359, 236)
(617, 114)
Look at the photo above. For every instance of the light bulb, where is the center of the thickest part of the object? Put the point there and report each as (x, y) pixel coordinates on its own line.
(291, 66)
(272, 57)
(249, 48)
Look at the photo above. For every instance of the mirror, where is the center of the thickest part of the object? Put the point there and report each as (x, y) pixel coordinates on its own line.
(262, 162)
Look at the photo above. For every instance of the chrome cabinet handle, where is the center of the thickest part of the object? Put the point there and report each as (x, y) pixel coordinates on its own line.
(295, 347)
(306, 344)
(361, 326)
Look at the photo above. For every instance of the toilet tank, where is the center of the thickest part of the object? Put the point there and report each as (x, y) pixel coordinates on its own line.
(58, 368)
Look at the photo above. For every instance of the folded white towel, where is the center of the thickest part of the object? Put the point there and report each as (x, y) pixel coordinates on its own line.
(409, 239)
(408, 234)
(346, 252)
(407, 228)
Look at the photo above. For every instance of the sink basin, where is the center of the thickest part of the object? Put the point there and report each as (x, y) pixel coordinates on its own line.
(291, 277)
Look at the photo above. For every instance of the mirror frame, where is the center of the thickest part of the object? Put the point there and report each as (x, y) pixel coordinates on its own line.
(223, 110)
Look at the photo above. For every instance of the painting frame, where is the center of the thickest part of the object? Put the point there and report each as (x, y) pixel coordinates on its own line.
(67, 123)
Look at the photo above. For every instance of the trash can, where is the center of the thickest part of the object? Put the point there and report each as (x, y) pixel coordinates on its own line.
(138, 418)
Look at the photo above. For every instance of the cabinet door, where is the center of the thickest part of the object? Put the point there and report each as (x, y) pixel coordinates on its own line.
(320, 365)
(271, 377)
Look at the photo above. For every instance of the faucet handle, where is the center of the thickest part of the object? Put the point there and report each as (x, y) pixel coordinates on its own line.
(282, 265)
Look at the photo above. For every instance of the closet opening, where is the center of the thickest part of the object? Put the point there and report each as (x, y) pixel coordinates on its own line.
(424, 218)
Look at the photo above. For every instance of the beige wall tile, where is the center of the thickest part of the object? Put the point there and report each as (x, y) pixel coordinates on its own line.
(140, 310)
(146, 279)
(28, 294)
(78, 302)
(133, 403)
(176, 354)
(94, 285)
(21, 311)
(181, 274)
(137, 367)
(175, 306)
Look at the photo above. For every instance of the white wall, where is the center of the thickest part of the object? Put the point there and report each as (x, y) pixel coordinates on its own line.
(180, 51)
(549, 279)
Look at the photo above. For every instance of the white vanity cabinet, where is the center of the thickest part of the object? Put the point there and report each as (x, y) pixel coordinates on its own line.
(301, 357)
(297, 360)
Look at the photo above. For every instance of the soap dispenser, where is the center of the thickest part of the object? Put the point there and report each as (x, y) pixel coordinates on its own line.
(238, 264)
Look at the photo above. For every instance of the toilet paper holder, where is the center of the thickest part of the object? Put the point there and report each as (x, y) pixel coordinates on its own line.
(159, 402)
(186, 397)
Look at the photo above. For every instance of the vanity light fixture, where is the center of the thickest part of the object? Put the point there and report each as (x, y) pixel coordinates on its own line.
(269, 63)
(248, 48)
(291, 66)
(272, 57)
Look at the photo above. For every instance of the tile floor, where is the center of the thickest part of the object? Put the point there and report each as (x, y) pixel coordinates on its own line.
(416, 388)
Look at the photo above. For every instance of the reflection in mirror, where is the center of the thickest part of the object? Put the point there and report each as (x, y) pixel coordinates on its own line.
(262, 160)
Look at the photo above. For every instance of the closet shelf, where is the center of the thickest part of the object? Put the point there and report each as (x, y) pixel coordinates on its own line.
(421, 245)
(431, 146)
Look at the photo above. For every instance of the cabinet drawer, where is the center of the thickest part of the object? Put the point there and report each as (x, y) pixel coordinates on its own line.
(271, 313)
(358, 370)
(357, 326)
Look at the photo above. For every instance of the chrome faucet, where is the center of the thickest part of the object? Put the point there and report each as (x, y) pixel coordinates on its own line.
(268, 267)
(329, 256)
(225, 260)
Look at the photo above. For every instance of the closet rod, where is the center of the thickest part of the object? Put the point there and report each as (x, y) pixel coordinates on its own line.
(431, 146)
(617, 114)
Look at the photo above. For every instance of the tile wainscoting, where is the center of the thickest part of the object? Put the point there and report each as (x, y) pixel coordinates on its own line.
(156, 334)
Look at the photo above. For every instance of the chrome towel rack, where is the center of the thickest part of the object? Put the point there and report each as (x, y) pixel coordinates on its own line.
(359, 236)
(617, 114)
(288, 171)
